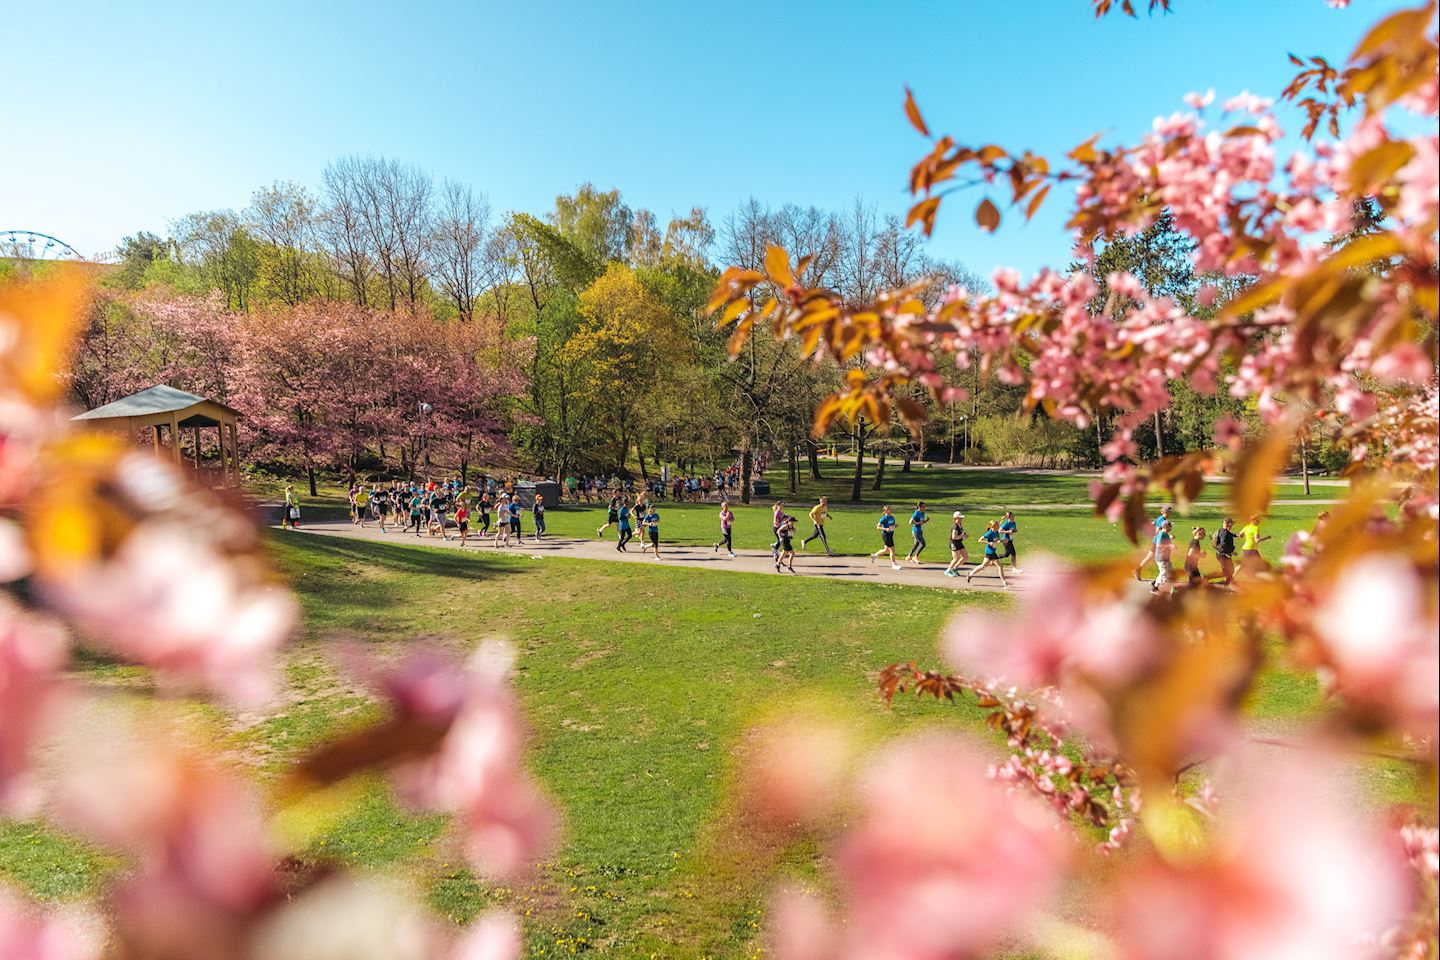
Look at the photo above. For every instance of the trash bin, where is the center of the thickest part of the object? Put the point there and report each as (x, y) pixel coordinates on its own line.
(548, 489)
(761, 488)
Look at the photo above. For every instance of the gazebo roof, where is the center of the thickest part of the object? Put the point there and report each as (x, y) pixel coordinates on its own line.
(159, 399)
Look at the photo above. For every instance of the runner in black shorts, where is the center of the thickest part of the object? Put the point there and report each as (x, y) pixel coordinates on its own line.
(786, 557)
(958, 553)
(612, 517)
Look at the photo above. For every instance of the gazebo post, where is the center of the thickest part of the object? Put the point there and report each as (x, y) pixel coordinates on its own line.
(155, 437)
(195, 446)
(175, 439)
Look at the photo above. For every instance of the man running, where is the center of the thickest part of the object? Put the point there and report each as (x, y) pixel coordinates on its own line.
(786, 557)
(612, 516)
(727, 523)
(818, 515)
(1224, 544)
(1008, 529)
(538, 511)
(777, 517)
(651, 523)
(918, 519)
(886, 526)
(622, 521)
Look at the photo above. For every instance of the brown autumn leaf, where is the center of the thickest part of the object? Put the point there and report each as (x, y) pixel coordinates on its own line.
(371, 748)
(1086, 152)
(987, 215)
(924, 213)
(1035, 201)
(777, 265)
(913, 113)
(1134, 517)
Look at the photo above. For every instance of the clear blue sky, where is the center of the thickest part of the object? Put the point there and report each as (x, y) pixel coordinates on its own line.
(124, 116)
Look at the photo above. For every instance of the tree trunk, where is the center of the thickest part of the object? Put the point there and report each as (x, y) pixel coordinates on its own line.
(859, 460)
(310, 473)
(1159, 438)
(794, 469)
(812, 451)
(747, 464)
(879, 470)
(1305, 463)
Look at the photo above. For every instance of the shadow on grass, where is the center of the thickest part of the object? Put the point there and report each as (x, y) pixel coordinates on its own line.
(340, 553)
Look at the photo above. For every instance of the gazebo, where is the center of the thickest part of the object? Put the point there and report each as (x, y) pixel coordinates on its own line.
(161, 407)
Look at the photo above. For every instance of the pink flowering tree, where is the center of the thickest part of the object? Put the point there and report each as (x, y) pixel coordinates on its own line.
(1321, 308)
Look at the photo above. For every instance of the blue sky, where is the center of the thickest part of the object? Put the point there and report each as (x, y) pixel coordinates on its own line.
(124, 116)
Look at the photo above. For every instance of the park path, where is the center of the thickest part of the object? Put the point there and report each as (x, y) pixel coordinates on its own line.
(845, 568)
(1215, 505)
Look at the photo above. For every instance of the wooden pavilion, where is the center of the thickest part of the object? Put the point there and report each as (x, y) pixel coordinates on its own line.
(159, 409)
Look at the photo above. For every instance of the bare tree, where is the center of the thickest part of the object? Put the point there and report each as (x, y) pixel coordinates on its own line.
(459, 245)
(343, 227)
(283, 215)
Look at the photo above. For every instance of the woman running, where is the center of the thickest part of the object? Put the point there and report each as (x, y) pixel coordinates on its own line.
(612, 517)
(958, 553)
(1224, 545)
(1250, 560)
(991, 537)
(1164, 550)
(652, 527)
(918, 519)
(1008, 529)
(502, 521)
(786, 557)
(483, 507)
(727, 523)
(417, 512)
(1194, 553)
(777, 517)
(462, 521)
(515, 510)
(886, 526)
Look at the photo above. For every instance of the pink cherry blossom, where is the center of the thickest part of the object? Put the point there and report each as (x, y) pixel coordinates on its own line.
(1229, 432)
(494, 935)
(28, 932)
(32, 653)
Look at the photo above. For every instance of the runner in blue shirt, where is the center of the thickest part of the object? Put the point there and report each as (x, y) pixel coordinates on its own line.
(651, 523)
(623, 519)
(991, 538)
(1008, 529)
(918, 519)
(886, 526)
(1160, 521)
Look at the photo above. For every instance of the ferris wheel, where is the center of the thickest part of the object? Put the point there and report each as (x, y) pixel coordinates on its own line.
(34, 245)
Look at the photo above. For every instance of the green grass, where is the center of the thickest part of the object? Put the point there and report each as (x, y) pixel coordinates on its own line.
(639, 683)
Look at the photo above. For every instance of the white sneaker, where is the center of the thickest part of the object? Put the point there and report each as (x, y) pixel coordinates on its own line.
(894, 566)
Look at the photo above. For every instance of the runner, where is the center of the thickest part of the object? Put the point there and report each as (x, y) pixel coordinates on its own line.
(777, 517)
(287, 508)
(484, 509)
(1150, 551)
(786, 557)
(1194, 553)
(502, 520)
(886, 526)
(612, 516)
(727, 523)
(651, 522)
(1250, 560)
(1008, 529)
(417, 511)
(622, 520)
(462, 521)
(1224, 544)
(539, 513)
(818, 515)
(1164, 549)
(515, 510)
(958, 553)
(362, 504)
(918, 519)
(380, 502)
(354, 494)
(991, 536)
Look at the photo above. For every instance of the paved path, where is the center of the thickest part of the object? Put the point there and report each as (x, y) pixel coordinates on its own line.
(846, 568)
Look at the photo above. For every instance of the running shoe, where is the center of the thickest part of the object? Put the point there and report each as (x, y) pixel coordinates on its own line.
(894, 566)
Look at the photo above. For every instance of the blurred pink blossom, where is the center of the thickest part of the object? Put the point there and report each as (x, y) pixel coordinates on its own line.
(29, 933)
(32, 653)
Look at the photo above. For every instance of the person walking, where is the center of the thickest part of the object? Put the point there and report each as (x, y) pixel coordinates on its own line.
(1150, 551)
(1008, 529)
(991, 538)
(918, 519)
(1224, 544)
(958, 553)
(886, 526)
(727, 524)
(818, 515)
(288, 508)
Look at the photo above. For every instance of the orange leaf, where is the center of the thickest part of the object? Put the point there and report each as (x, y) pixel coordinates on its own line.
(913, 113)
(1035, 201)
(1086, 152)
(987, 215)
(923, 212)
(777, 264)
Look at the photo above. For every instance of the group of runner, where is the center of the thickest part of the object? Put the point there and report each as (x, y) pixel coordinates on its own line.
(680, 488)
(1227, 542)
(431, 508)
(626, 518)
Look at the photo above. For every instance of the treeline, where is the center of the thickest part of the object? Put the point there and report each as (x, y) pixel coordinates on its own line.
(386, 317)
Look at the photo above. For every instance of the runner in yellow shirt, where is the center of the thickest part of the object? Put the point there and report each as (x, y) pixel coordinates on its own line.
(818, 515)
(1250, 540)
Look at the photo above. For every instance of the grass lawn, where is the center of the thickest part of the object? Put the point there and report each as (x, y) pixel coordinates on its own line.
(639, 683)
